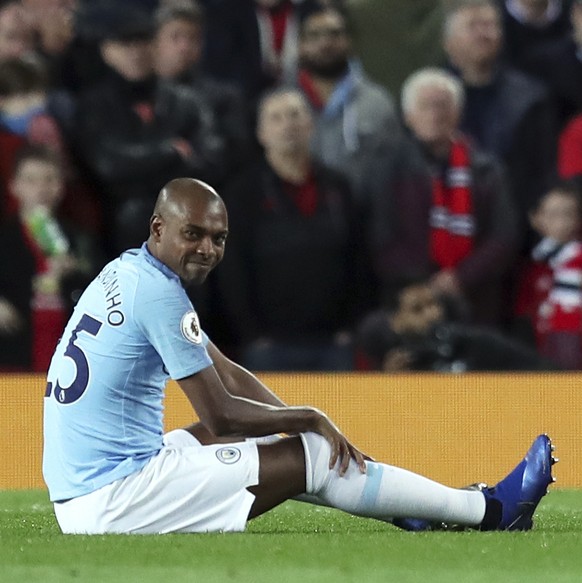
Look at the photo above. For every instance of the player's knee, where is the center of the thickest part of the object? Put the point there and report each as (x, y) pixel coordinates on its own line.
(317, 454)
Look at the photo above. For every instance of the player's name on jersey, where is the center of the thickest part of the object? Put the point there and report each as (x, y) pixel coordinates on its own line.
(113, 296)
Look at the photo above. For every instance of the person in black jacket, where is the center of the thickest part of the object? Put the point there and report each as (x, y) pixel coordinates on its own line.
(291, 284)
(506, 112)
(418, 331)
(136, 132)
(178, 50)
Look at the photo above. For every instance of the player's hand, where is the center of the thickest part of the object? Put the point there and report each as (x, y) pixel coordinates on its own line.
(342, 451)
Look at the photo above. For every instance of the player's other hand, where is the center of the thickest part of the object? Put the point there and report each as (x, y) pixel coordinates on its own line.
(342, 451)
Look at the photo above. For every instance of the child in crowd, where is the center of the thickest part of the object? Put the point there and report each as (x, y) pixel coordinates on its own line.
(44, 264)
(30, 113)
(24, 103)
(551, 286)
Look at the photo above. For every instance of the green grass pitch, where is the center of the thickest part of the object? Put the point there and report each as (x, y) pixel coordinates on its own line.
(294, 543)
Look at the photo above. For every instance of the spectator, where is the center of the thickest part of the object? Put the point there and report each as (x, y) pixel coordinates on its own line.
(25, 105)
(506, 112)
(45, 264)
(136, 132)
(530, 24)
(253, 43)
(355, 116)
(440, 207)
(179, 40)
(16, 33)
(52, 21)
(558, 64)
(290, 285)
(30, 112)
(178, 48)
(558, 317)
(414, 333)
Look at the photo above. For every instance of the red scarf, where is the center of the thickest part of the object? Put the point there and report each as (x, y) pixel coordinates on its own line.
(452, 225)
(305, 81)
(279, 15)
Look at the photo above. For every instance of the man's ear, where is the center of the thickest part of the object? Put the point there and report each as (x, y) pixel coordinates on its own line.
(156, 225)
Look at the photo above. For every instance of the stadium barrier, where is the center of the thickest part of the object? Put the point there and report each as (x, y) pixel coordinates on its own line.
(454, 428)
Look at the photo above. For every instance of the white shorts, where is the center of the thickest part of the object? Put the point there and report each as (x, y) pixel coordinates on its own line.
(187, 487)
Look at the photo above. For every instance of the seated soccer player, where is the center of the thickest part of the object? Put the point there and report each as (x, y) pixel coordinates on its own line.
(109, 467)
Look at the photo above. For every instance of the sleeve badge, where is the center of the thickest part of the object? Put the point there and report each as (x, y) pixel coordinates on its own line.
(191, 327)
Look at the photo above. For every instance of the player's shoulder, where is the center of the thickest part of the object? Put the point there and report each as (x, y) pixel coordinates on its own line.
(136, 264)
(147, 279)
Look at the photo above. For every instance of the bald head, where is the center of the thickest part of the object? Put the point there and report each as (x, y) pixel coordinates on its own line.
(181, 192)
(188, 229)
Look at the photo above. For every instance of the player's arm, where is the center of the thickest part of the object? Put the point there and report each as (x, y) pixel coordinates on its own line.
(228, 415)
(239, 381)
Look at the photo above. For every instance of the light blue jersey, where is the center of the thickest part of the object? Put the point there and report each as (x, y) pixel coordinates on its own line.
(133, 328)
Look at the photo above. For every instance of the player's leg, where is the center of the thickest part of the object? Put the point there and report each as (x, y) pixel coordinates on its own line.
(281, 474)
(298, 465)
(386, 492)
(206, 437)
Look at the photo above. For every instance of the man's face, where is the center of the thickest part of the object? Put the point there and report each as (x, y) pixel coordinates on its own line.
(434, 115)
(474, 37)
(418, 312)
(16, 34)
(177, 47)
(132, 59)
(191, 239)
(37, 184)
(285, 124)
(324, 45)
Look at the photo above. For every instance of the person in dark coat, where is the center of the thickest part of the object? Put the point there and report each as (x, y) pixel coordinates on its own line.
(416, 331)
(506, 112)
(136, 132)
(291, 284)
(440, 207)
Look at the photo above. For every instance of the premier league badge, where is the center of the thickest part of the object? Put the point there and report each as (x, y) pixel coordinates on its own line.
(191, 327)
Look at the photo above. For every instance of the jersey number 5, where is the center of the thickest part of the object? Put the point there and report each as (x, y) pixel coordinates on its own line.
(74, 391)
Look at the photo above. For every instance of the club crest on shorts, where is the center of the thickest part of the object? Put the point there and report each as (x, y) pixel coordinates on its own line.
(191, 327)
(228, 455)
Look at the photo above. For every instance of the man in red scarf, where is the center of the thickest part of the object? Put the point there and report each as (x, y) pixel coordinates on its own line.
(441, 209)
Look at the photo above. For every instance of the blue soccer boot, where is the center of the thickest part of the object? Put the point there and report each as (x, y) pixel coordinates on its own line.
(511, 503)
(519, 493)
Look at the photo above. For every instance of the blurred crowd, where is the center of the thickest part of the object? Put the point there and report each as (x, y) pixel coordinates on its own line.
(433, 229)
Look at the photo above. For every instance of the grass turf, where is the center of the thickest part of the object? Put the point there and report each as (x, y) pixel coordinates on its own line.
(294, 543)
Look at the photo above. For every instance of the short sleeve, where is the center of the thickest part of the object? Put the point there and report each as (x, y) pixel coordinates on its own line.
(168, 320)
